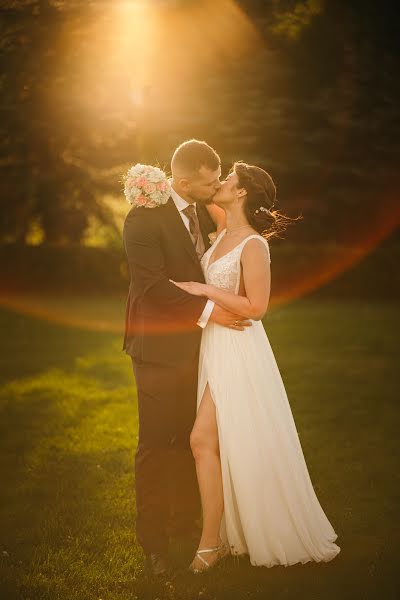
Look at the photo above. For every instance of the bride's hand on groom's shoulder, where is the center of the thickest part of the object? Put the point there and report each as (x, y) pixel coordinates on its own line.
(192, 287)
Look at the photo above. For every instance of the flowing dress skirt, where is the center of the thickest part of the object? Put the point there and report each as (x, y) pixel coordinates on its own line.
(271, 511)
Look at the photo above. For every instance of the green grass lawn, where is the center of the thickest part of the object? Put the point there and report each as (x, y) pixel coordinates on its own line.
(69, 431)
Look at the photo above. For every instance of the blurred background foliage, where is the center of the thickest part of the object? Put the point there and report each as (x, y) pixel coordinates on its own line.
(309, 90)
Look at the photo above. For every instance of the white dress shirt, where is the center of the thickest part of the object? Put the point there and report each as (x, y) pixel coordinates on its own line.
(181, 204)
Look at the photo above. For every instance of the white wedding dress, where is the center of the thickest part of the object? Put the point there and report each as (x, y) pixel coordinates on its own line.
(271, 511)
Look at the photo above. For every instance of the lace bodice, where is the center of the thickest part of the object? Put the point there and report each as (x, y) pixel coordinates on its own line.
(224, 272)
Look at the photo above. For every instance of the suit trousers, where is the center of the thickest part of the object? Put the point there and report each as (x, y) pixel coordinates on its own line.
(167, 494)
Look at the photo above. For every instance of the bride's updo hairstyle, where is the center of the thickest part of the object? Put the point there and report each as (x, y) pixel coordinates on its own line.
(260, 200)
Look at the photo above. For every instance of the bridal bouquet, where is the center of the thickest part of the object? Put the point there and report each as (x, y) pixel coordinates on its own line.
(146, 186)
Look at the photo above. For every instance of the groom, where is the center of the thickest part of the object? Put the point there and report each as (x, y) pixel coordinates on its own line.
(162, 335)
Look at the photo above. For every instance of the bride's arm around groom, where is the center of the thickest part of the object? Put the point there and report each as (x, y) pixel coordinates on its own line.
(256, 283)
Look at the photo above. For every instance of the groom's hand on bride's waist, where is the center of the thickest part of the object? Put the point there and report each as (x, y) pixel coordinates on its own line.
(227, 319)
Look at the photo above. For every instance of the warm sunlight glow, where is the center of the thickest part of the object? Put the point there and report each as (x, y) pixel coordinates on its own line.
(132, 47)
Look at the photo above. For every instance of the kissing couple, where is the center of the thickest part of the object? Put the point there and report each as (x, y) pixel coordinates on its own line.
(217, 437)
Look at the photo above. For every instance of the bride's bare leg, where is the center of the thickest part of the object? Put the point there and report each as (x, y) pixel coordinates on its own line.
(205, 448)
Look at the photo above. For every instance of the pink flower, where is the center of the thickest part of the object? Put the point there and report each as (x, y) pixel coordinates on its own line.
(141, 200)
(161, 186)
(141, 182)
(149, 188)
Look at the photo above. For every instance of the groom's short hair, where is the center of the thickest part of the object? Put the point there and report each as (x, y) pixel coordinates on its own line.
(190, 156)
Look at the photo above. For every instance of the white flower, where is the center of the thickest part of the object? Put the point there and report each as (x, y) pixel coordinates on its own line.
(154, 196)
(156, 175)
(136, 170)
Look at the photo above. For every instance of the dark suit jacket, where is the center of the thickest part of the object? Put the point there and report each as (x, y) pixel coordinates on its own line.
(160, 323)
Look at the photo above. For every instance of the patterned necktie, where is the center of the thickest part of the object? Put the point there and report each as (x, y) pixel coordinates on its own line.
(194, 228)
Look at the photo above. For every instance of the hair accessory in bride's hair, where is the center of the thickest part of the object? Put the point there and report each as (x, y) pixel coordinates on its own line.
(263, 209)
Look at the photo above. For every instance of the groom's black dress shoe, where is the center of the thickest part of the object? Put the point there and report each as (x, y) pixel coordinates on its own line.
(157, 563)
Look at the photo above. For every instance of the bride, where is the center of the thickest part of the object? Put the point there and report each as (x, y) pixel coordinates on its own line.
(256, 493)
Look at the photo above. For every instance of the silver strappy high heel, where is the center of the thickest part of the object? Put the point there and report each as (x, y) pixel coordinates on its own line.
(222, 548)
